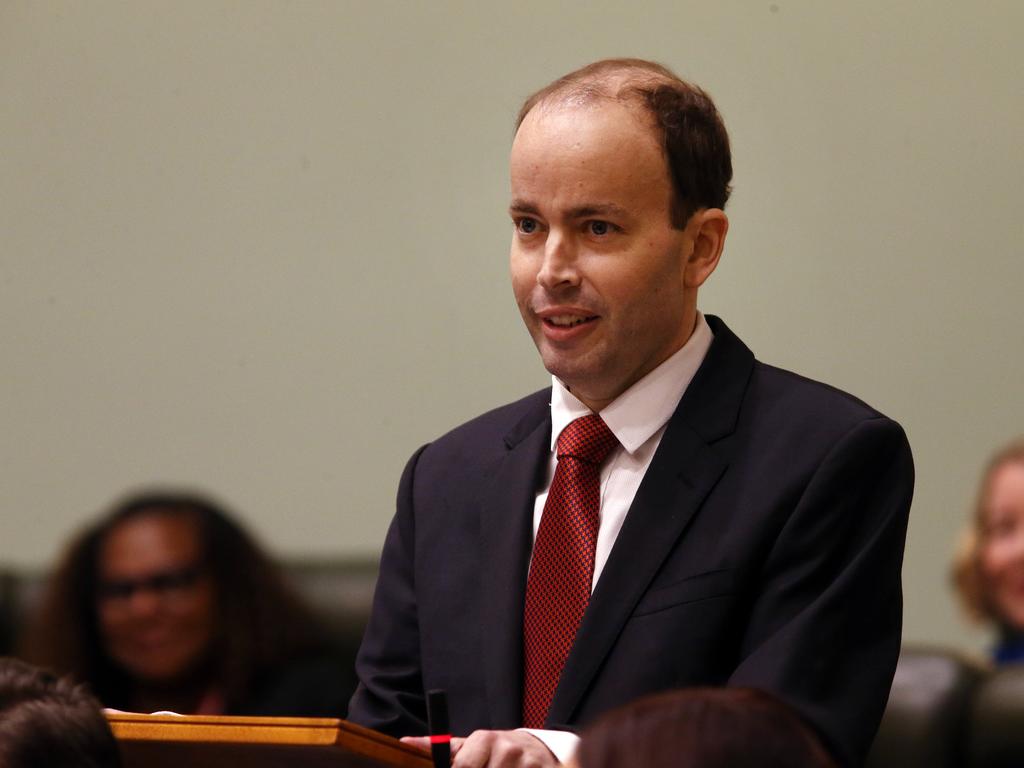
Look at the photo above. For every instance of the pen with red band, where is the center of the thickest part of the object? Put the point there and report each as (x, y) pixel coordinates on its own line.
(440, 732)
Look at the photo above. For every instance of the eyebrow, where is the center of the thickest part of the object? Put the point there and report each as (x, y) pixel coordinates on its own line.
(579, 212)
(521, 206)
(603, 209)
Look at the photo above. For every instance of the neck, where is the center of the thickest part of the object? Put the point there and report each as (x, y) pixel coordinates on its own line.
(184, 694)
(182, 699)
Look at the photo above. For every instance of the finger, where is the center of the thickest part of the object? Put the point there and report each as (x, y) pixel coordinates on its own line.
(420, 742)
(457, 743)
(475, 751)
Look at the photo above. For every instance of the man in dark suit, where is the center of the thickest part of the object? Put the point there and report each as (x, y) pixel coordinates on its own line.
(740, 525)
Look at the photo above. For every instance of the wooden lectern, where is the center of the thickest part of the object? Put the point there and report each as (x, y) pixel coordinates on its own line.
(171, 741)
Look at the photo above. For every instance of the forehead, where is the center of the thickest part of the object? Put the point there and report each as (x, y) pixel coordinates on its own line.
(573, 152)
(143, 545)
(1006, 486)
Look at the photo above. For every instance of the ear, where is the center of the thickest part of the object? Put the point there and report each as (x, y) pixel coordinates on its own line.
(709, 227)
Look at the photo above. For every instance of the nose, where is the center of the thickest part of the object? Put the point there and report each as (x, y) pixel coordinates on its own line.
(143, 602)
(559, 268)
(1016, 549)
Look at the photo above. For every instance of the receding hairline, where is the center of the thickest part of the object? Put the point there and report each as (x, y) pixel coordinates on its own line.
(620, 80)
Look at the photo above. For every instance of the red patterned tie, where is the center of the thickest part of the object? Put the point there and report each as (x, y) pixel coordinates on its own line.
(558, 587)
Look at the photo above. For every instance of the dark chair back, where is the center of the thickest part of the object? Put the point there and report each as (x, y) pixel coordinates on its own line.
(925, 721)
(996, 735)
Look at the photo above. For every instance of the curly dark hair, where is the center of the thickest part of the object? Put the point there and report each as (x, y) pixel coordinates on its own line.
(49, 721)
(691, 131)
(262, 623)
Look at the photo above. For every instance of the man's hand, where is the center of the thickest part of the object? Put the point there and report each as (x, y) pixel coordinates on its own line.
(494, 749)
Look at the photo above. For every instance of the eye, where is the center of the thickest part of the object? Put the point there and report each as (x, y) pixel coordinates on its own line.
(526, 225)
(1000, 528)
(116, 590)
(599, 228)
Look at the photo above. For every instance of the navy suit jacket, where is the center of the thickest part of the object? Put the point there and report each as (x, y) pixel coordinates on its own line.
(763, 548)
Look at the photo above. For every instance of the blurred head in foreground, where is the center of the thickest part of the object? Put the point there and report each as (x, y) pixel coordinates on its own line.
(702, 728)
(989, 568)
(49, 721)
(166, 603)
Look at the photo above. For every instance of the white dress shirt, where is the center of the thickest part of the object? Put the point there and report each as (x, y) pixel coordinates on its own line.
(638, 418)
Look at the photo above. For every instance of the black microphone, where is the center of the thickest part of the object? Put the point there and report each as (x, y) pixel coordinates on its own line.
(440, 731)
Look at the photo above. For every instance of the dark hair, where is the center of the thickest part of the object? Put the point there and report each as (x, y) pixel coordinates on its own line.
(262, 622)
(49, 721)
(691, 132)
(702, 728)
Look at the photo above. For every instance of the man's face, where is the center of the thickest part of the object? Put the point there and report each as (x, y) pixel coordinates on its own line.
(598, 271)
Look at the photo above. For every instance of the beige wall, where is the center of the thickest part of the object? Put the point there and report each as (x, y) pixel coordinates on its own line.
(260, 248)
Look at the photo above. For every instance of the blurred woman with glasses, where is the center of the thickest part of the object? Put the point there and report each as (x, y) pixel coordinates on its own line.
(167, 604)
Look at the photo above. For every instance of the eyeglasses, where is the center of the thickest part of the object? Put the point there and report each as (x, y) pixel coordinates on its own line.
(165, 584)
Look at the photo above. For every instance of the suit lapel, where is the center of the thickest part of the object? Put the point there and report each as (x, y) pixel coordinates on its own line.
(685, 468)
(682, 473)
(506, 524)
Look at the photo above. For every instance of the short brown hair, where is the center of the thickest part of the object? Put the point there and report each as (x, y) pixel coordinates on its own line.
(45, 720)
(691, 132)
(966, 574)
(703, 728)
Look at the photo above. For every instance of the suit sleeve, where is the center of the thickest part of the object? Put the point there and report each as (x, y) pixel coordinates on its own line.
(825, 623)
(389, 697)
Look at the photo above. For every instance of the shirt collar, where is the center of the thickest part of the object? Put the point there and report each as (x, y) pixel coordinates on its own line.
(644, 408)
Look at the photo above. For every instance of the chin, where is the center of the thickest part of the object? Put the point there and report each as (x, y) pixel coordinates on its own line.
(571, 370)
(572, 377)
(159, 671)
(157, 675)
(1013, 621)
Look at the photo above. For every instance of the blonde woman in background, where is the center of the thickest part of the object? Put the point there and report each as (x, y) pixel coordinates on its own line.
(989, 568)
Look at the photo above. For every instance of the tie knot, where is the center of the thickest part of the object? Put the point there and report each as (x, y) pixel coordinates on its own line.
(587, 439)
